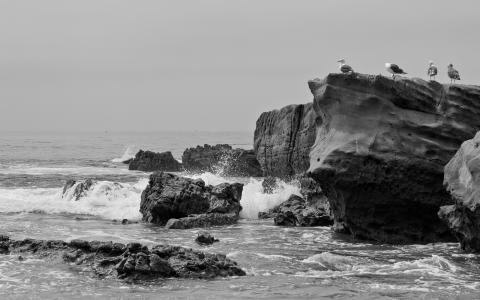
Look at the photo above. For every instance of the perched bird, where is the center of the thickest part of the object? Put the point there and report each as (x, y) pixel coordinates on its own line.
(394, 69)
(453, 74)
(344, 68)
(432, 70)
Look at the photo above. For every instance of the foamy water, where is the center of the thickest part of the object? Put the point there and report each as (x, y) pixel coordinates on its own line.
(281, 262)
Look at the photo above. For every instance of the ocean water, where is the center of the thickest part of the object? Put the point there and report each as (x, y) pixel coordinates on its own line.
(281, 262)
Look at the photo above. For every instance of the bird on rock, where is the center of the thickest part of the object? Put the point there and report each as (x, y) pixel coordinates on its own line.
(453, 74)
(344, 68)
(394, 69)
(432, 70)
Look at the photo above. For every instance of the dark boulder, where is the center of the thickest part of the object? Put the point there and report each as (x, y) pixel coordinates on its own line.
(149, 161)
(380, 150)
(189, 202)
(133, 261)
(205, 238)
(296, 211)
(283, 140)
(462, 179)
(221, 159)
(76, 189)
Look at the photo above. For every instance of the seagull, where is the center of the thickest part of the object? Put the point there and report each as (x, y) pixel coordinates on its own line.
(432, 70)
(453, 74)
(394, 69)
(344, 68)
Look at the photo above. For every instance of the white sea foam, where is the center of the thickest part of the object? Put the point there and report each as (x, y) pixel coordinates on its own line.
(105, 199)
(129, 153)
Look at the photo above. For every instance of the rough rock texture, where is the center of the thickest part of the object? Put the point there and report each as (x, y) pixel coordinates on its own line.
(380, 150)
(283, 139)
(186, 200)
(77, 189)
(296, 211)
(149, 161)
(221, 159)
(269, 184)
(205, 238)
(462, 179)
(133, 261)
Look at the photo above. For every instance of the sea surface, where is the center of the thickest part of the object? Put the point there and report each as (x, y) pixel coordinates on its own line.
(281, 262)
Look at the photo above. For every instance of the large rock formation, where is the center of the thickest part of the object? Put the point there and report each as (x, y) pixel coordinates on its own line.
(221, 159)
(180, 202)
(462, 179)
(149, 161)
(283, 139)
(133, 261)
(380, 150)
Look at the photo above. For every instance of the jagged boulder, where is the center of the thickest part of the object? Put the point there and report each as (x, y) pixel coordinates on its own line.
(149, 161)
(189, 202)
(222, 159)
(205, 238)
(380, 150)
(296, 211)
(133, 261)
(283, 140)
(462, 179)
(74, 189)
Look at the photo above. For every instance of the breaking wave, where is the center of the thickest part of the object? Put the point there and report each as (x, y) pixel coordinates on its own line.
(128, 154)
(105, 199)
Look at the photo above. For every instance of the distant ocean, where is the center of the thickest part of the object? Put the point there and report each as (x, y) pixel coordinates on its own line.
(281, 262)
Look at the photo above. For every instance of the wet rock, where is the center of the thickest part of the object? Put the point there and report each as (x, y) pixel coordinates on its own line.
(189, 202)
(149, 161)
(76, 189)
(269, 184)
(462, 179)
(380, 150)
(136, 262)
(283, 139)
(205, 238)
(296, 211)
(221, 159)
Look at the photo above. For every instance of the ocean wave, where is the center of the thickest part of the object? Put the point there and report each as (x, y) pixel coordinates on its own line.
(64, 170)
(129, 153)
(105, 199)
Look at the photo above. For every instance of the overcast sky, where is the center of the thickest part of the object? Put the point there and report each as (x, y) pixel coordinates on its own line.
(208, 64)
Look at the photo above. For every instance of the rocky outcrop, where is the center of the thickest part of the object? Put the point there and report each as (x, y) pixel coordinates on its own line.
(149, 161)
(133, 261)
(380, 150)
(221, 159)
(283, 140)
(296, 211)
(462, 179)
(205, 238)
(189, 202)
(74, 189)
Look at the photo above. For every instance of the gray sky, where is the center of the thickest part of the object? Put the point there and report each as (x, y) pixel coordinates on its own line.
(208, 64)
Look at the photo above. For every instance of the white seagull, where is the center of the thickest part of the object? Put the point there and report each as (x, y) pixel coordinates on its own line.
(344, 68)
(432, 70)
(394, 69)
(453, 74)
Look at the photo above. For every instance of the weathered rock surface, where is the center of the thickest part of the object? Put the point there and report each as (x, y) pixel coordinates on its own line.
(462, 179)
(296, 211)
(283, 140)
(149, 161)
(133, 261)
(189, 202)
(205, 238)
(380, 150)
(222, 159)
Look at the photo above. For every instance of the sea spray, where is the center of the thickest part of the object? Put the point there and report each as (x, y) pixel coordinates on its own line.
(108, 200)
(129, 153)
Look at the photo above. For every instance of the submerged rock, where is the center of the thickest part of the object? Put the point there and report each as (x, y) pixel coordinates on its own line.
(149, 161)
(296, 211)
(462, 179)
(77, 189)
(189, 202)
(133, 261)
(205, 238)
(283, 140)
(380, 150)
(222, 159)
